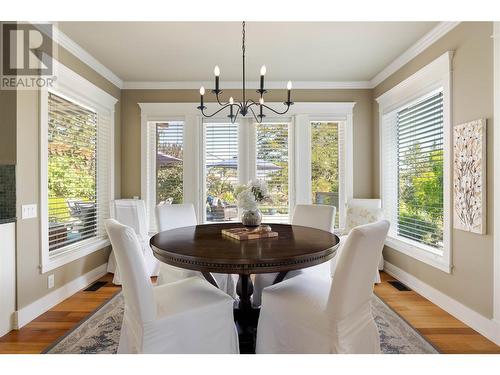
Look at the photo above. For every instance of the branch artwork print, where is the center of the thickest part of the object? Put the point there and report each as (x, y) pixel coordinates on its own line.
(469, 176)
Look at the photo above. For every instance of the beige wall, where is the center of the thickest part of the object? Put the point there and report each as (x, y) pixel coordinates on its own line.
(131, 134)
(31, 284)
(471, 281)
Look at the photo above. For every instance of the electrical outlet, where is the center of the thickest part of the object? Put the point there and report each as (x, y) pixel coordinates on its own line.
(28, 211)
(50, 281)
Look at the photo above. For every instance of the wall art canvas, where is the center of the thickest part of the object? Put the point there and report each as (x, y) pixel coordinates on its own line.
(469, 176)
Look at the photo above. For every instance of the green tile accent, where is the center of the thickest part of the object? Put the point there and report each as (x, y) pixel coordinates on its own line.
(7, 193)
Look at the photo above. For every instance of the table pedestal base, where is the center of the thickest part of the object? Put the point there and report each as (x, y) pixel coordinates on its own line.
(246, 323)
(246, 317)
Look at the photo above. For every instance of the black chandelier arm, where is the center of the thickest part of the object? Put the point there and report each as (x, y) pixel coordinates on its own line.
(221, 109)
(288, 104)
(254, 115)
(250, 103)
(218, 99)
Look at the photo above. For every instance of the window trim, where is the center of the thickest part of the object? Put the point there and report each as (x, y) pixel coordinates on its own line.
(77, 89)
(434, 76)
(299, 146)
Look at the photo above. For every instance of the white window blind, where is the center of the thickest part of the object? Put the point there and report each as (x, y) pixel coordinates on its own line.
(325, 164)
(413, 161)
(77, 204)
(221, 166)
(169, 162)
(272, 167)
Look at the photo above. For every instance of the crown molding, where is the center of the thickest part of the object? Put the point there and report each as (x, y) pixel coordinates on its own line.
(236, 85)
(421, 45)
(75, 49)
(428, 39)
(157, 111)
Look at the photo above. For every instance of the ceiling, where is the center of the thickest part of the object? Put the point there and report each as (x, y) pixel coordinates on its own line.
(297, 51)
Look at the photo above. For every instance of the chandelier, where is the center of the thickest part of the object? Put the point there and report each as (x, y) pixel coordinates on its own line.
(245, 106)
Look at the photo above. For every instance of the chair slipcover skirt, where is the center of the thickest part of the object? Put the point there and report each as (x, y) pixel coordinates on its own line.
(310, 314)
(188, 316)
(194, 317)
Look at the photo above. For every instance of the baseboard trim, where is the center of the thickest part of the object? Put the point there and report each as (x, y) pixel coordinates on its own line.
(489, 328)
(37, 308)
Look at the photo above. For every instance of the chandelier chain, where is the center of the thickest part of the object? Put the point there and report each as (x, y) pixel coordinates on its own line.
(243, 38)
(244, 78)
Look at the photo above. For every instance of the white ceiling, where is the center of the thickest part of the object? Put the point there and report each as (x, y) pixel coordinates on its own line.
(297, 51)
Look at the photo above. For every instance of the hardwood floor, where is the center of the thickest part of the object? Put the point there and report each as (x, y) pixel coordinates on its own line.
(62, 318)
(445, 332)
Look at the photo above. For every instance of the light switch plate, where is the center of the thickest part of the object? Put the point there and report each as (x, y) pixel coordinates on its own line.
(28, 211)
(50, 281)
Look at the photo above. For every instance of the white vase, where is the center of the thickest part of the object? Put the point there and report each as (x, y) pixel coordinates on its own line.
(251, 218)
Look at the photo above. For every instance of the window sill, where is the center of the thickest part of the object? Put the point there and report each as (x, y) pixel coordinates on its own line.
(73, 252)
(423, 254)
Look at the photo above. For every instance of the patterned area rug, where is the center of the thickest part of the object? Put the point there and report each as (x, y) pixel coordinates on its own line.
(100, 333)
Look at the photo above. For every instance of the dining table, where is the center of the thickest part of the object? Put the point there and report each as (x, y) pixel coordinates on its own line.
(205, 249)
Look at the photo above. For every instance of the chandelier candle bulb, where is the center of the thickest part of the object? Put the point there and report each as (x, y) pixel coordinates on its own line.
(202, 92)
(289, 88)
(217, 74)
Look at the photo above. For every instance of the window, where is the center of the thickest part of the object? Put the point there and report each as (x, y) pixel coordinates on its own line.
(221, 171)
(72, 173)
(218, 155)
(169, 162)
(76, 168)
(420, 172)
(325, 164)
(415, 164)
(272, 167)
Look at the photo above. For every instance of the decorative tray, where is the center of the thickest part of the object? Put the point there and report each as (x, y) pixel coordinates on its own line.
(243, 234)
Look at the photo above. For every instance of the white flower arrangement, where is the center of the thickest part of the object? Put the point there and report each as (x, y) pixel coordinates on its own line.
(246, 200)
(250, 195)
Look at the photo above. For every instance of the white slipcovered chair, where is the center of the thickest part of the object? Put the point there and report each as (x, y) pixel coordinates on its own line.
(132, 212)
(361, 212)
(171, 216)
(307, 215)
(189, 316)
(310, 314)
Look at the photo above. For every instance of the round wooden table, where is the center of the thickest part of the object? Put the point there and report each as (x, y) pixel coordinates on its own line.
(203, 248)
